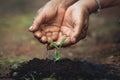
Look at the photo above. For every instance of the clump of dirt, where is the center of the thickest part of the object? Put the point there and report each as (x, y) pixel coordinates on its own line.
(64, 69)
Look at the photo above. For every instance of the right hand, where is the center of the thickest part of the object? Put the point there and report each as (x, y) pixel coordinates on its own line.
(46, 25)
(75, 24)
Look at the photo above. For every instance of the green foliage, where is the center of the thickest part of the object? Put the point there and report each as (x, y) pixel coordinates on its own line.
(49, 79)
(57, 54)
(57, 57)
(32, 78)
(62, 42)
(15, 64)
(54, 44)
(27, 78)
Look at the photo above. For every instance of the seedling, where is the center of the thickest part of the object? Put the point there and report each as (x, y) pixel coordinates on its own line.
(57, 53)
(49, 79)
(27, 78)
(32, 78)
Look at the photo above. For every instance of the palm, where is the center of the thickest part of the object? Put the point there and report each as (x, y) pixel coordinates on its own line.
(48, 22)
(75, 25)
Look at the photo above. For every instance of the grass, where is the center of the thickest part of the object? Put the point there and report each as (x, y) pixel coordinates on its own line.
(16, 64)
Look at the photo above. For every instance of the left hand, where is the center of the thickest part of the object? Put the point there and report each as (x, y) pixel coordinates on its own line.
(47, 23)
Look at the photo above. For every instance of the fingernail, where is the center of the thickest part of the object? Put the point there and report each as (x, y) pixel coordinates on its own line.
(73, 40)
(58, 43)
(31, 28)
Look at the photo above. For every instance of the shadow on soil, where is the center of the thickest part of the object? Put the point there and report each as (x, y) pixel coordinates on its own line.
(65, 69)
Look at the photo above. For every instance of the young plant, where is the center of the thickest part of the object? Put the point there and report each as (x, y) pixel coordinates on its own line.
(32, 78)
(49, 79)
(57, 53)
(27, 78)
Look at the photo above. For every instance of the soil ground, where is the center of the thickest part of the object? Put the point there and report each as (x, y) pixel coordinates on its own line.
(65, 69)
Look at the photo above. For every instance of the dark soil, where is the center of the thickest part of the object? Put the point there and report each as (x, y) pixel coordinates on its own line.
(65, 69)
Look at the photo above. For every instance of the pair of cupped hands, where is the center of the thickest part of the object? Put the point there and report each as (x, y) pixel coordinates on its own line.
(60, 19)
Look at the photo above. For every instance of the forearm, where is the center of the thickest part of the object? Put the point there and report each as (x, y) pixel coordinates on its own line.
(109, 3)
(64, 3)
(92, 5)
(67, 3)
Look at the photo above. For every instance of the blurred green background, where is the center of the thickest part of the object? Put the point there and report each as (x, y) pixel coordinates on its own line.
(17, 44)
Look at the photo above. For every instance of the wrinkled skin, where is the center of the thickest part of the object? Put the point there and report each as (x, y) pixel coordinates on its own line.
(74, 26)
(60, 18)
(55, 22)
(46, 25)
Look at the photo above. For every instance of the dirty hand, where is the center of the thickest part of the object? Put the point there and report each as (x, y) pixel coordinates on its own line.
(75, 24)
(46, 25)
(76, 19)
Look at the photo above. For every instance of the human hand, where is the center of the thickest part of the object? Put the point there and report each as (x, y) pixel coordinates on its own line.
(46, 25)
(75, 23)
(74, 26)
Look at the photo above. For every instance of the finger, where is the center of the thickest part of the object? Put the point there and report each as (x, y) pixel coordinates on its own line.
(50, 28)
(77, 28)
(43, 39)
(39, 19)
(60, 39)
(43, 33)
(54, 36)
(50, 46)
(38, 34)
(48, 34)
(49, 38)
(67, 42)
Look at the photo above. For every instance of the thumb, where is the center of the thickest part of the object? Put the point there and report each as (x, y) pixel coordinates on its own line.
(39, 19)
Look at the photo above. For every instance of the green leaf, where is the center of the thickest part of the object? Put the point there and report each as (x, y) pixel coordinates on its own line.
(62, 42)
(49, 79)
(27, 78)
(54, 44)
(32, 77)
(57, 57)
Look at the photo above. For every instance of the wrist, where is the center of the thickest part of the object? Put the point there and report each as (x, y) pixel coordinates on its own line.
(57, 2)
(90, 5)
(64, 3)
(67, 3)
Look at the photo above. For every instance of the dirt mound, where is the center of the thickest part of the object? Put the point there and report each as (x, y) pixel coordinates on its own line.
(65, 69)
